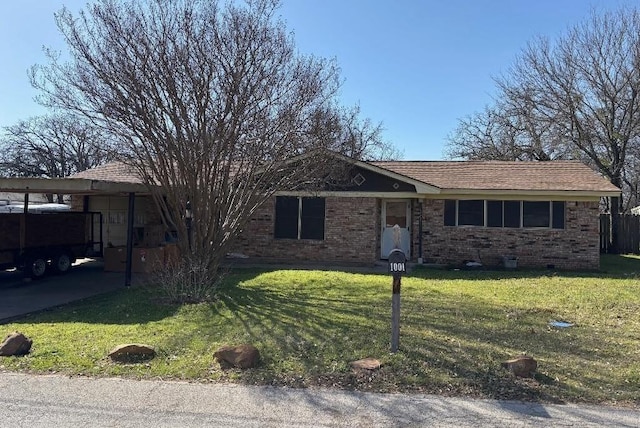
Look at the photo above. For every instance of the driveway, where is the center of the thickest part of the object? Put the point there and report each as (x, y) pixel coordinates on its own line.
(19, 297)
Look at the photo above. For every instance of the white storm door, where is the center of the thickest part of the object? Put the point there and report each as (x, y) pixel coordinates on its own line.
(395, 212)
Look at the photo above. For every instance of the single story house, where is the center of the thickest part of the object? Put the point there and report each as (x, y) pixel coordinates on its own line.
(545, 214)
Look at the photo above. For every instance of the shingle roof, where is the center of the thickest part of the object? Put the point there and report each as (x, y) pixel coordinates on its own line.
(449, 175)
(117, 172)
(503, 175)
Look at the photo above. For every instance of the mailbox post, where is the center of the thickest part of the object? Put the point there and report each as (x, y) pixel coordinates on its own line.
(397, 266)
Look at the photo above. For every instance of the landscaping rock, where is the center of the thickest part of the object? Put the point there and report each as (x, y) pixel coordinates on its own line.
(366, 364)
(132, 352)
(15, 343)
(241, 356)
(522, 366)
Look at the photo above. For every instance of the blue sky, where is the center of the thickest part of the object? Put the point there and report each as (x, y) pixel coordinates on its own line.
(416, 65)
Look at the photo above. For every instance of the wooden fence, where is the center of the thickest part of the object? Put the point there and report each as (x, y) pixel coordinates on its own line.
(628, 234)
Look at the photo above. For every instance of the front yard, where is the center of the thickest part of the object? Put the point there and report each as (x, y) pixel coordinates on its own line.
(456, 329)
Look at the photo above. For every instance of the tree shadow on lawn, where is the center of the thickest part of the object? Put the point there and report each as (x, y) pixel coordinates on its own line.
(469, 340)
(300, 317)
(448, 346)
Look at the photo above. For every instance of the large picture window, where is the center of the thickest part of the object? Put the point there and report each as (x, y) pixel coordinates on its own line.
(508, 214)
(299, 218)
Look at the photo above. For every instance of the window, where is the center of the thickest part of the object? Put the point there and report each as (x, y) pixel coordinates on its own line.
(464, 213)
(287, 209)
(471, 213)
(396, 213)
(449, 213)
(536, 214)
(558, 215)
(494, 213)
(503, 214)
(512, 214)
(312, 218)
(508, 214)
(299, 218)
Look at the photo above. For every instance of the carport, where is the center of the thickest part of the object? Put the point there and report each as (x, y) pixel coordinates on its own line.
(84, 188)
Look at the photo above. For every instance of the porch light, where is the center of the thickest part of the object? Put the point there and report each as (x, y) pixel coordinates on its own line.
(188, 214)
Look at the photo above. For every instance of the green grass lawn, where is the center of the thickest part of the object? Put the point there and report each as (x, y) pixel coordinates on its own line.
(456, 329)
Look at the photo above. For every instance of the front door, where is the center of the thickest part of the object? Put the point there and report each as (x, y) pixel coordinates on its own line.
(395, 212)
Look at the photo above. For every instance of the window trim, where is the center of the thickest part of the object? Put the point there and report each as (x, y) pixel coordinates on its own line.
(299, 218)
(554, 217)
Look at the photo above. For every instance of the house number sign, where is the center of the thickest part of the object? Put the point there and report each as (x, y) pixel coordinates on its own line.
(397, 263)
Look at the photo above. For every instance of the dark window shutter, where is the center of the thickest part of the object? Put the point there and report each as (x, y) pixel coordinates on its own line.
(313, 212)
(558, 214)
(286, 224)
(449, 213)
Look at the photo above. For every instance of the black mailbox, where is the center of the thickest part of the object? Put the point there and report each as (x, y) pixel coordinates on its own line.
(397, 262)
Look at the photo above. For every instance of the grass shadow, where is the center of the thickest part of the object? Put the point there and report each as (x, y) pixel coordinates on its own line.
(613, 266)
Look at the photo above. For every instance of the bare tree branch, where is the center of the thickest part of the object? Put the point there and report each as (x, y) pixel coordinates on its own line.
(211, 102)
(58, 145)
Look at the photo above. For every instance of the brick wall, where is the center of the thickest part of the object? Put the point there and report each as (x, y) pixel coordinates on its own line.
(77, 202)
(352, 235)
(575, 247)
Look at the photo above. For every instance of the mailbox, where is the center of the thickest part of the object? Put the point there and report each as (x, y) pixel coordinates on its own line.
(397, 262)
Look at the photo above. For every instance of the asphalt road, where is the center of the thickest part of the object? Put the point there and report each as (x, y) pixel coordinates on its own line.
(53, 400)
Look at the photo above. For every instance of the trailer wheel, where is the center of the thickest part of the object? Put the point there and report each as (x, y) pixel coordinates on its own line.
(36, 267)
(61, 263)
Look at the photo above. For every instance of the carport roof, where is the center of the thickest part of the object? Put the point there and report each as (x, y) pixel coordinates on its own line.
(69, 186)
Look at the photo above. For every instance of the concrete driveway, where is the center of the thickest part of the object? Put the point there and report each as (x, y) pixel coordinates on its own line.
(19, 297)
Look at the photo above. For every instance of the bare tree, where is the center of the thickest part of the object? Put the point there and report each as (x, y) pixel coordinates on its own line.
(499, 134)
(582, 92)
(212, 102)
(52, 146)
(351, 135)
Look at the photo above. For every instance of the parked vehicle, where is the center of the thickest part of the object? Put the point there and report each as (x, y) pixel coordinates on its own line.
(42, 240)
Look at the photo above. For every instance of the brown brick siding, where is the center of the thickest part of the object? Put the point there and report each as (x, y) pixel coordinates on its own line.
(575, 247)
(352, 235)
